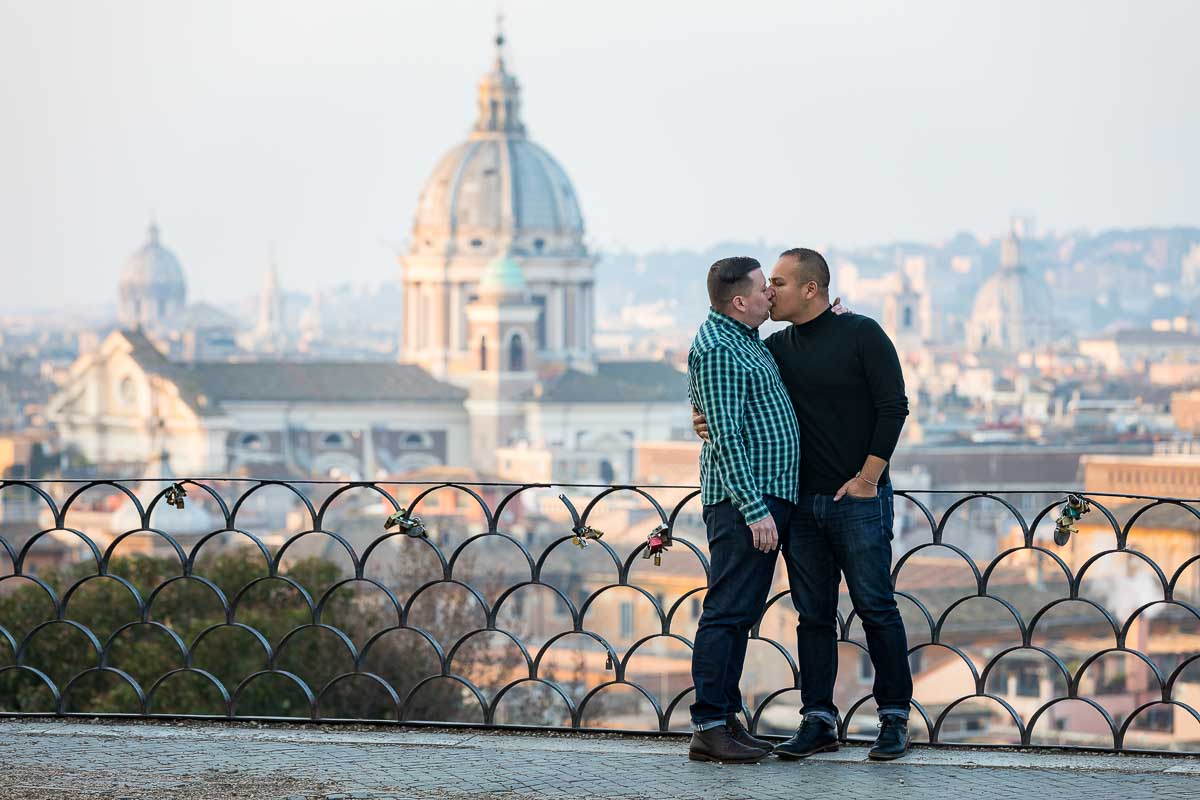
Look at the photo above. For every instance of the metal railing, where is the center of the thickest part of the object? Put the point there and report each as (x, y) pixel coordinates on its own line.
(499, 605)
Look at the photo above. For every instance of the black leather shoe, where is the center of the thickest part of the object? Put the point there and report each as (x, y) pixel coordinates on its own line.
(814, 736)
(738, 731)
(892, 741)
(716, 744)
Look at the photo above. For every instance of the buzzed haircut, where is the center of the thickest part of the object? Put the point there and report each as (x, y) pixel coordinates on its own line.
(730, 278)
(812, 266)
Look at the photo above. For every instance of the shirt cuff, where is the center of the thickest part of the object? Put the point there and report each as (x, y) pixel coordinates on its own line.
(754, 510)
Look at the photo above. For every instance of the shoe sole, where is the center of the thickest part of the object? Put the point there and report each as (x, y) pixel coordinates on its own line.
(715, 760)
(786, 756)
(886, 756)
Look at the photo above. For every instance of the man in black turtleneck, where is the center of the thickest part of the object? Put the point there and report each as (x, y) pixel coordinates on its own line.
(844, 379)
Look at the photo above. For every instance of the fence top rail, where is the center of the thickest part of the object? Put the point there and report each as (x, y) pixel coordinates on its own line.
(985, 492)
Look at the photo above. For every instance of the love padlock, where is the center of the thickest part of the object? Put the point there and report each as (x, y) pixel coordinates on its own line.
(583, 534)
(175, 494)
(655, 545)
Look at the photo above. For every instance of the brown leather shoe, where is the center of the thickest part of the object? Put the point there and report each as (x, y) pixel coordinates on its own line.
(717, 744)
(738, 731)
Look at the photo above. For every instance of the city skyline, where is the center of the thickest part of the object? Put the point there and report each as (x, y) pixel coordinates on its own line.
(141, 123)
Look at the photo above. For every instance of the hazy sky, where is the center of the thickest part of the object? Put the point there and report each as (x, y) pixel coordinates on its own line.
(310, 126)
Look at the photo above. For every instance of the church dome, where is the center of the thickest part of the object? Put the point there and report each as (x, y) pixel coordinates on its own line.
(502, 274)
(152, 283)
(498, 186)
(1012, 309)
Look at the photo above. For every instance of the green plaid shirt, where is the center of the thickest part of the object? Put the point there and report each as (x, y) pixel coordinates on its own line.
(754, 443)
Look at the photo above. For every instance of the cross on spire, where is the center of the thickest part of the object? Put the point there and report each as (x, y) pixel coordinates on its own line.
(500, 40)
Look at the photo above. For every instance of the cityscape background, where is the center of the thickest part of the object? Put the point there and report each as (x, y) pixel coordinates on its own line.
(264, 241)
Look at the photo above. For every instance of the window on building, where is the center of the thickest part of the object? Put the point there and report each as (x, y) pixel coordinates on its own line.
(626, 620)
(865, 668)
(482, 353)
(417, 440)
(540, 329)
(516, 354)
(997, 682)
(128, 391)
(1156, 718)
(1028, 682)
(334, 440)
(251, 441)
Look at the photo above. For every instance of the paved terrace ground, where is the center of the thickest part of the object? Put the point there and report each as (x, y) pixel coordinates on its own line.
(69, 760)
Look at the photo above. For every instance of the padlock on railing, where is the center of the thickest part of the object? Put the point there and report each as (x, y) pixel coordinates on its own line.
(408, 524)
(657, 543)
(584, 534)
(175, 494)
(1064, 526)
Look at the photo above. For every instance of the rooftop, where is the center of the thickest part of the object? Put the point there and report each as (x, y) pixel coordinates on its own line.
(620, 382)
(206, 385)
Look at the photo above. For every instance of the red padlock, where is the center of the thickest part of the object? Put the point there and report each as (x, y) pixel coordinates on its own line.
(655, 545)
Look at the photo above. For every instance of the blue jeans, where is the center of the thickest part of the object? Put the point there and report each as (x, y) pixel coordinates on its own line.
(827, 540)
(739, 582)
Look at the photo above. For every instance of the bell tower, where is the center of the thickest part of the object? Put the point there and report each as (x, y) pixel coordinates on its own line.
(501, 329)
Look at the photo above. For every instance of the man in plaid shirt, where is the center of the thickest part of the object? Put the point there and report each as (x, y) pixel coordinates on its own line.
(749, 476)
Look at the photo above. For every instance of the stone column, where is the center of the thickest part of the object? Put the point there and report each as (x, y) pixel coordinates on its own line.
(457, 334)
(554, 318)
(412, 301)
(587, 313)
(570, 317)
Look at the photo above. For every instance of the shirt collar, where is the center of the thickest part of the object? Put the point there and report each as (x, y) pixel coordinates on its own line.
(732, 324)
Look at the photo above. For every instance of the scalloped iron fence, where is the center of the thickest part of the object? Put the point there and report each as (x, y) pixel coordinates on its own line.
(1034, 619)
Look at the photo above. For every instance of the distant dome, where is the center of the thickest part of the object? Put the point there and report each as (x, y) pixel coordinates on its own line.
(152, 286)
(502, 274)
(1012, 310)
(498, 185)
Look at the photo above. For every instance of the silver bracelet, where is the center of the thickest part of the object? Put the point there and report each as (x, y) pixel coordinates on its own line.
(868, 480)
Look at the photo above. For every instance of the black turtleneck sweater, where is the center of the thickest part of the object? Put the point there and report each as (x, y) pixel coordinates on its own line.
(844, 379)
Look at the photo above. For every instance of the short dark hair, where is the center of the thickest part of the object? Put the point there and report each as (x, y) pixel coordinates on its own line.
(730, 278)
(812, 265)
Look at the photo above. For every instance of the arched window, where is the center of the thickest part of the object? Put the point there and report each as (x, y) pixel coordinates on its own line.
(482, 353)
(334, 440)
(516, 353)
(417, 440)
(128, 390)
(907, 317)
(251, 441)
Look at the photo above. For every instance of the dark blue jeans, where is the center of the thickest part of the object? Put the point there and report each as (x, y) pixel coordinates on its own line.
(739, 581)
(827, 540)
